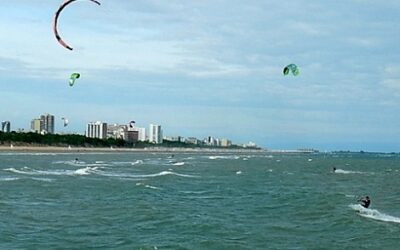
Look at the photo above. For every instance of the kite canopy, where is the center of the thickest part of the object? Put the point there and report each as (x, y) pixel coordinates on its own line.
(55, 21)
(65, 121)
(291, 68)
(72, 78)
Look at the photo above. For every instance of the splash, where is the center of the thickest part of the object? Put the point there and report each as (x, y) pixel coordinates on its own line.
(374, 214)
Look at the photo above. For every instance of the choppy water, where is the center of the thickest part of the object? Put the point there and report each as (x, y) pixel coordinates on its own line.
(198, 201)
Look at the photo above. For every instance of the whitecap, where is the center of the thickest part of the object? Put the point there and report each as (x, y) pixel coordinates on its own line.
(215, 157)
(9, 179)
(136, 162)
(152, 187)
(374, 214)
(42, 179)
(164, 173)
(17, 171)
(178, 164)
(341, 171)
(239, 172)
(85, 171)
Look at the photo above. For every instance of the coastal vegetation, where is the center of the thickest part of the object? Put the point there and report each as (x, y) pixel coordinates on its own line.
(65, 140)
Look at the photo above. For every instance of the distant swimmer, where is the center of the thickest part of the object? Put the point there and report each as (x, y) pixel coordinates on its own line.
(334, 169)
(365, 201)
(76, 160)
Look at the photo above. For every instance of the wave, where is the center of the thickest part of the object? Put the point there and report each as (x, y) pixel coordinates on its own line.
(85, 171)
(341, 171)
(374, 214)
(239, 172)
(28, 171)
(91, 170)
(147, 186)
(178, 163)
(164, 173)
(137, 162)
(9, 179)
(231, 157)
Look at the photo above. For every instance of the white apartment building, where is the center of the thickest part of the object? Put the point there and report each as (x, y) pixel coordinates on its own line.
(142, 134)
(6, 126)
(96, 130)
(155, 134)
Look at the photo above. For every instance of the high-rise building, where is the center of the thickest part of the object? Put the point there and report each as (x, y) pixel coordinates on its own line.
(141, 133)
(131, 136)
(96, 130)
(47, 123)
(43, 125)
(155, 134)
(36, 125)
(6, 126)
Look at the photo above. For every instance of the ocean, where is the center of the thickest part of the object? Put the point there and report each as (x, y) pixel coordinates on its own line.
(145, 200)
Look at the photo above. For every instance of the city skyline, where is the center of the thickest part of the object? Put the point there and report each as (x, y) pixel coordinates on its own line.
(104, 130)
(197, 72)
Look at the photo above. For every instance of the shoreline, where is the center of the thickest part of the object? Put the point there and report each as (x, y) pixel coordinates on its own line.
(52, 149)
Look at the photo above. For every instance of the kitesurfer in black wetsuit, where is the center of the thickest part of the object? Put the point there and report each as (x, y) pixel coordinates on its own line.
(365, 201)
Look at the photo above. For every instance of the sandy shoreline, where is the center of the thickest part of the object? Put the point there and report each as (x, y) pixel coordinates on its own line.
(110, 150)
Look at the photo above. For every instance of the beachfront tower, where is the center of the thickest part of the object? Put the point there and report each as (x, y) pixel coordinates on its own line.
(47, 124)
(155, 134)
(96, 130)
(142, 134)
(6, 126)
(36, 125)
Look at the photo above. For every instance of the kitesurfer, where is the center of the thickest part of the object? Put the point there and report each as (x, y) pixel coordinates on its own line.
(365, 201)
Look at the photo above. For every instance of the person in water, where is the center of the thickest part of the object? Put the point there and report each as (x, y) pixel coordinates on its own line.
(334, 169)
(365, 201)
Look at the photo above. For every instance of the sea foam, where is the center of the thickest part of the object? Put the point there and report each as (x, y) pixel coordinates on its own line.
(374, 214)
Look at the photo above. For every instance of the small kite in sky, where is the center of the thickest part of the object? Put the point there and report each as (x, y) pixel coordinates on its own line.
(65, 120)
(72, 78)
(291, 68)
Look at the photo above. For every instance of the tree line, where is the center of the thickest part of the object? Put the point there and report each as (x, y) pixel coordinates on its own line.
(62, 140)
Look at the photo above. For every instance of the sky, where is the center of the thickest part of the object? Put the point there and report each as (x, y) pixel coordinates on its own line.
(210, 68)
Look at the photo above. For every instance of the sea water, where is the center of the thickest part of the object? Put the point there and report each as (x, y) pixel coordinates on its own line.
(198, 201)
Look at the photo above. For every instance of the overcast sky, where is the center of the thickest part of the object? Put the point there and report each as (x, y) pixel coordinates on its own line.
(210, 67)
